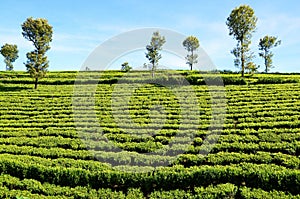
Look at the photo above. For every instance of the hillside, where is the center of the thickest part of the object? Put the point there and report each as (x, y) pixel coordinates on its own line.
(43, 152)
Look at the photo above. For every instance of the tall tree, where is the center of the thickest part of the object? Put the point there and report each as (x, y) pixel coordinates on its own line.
(265, 45)
(153, 55)
(191, 44)
(241, 24)
(39, 32)
(10, 54)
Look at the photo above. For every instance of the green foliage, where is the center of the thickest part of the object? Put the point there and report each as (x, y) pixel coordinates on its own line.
(191, 44)
(196, 79)
(153, 55)
(251, 67)
(256, 156)
(39, 32)
(265, 45)
(10, 54)
(241, 24)
(125, 67)
(275, 80)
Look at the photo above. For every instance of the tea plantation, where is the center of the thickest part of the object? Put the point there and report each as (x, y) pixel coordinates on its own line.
(52, 147)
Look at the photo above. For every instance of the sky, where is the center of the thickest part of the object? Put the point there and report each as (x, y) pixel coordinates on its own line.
(80, 26)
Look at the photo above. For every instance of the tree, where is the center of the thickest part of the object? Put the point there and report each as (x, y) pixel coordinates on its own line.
(241, 24)
(156, 43)
(191, 44)
(265, 44)
(125, 67)
(251, 67)
(39, 32)
(10, 54)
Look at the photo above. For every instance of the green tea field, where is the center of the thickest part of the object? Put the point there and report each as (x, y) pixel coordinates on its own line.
(51, 149)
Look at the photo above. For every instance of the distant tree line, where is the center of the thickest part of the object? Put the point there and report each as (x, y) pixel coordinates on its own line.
(191, 44)
(241, 24)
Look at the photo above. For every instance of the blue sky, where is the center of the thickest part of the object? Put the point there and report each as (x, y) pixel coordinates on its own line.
(80, 26)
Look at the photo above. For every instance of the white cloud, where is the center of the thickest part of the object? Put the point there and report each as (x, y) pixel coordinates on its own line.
(172, 61)
(73, 37)
(192, 23)
(280, 22)
(285, 27)
(107, 28)
(70, 49)
(73, 43)
(213, 35)
(14, 37)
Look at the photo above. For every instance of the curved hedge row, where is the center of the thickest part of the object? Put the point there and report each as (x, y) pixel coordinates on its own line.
(265, 176)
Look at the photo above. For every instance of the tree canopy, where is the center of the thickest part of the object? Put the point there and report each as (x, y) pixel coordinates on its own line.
(10, 54)
(125, 67)
(265, 45)
(39, 32)
(153, 55)
(241, 24)
(191, 43)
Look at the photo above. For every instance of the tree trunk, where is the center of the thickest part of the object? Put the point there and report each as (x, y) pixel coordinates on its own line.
(266, 61)
(192, 60)
(242, 58)
(152, 71)
(36, 83)
(243, 64)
